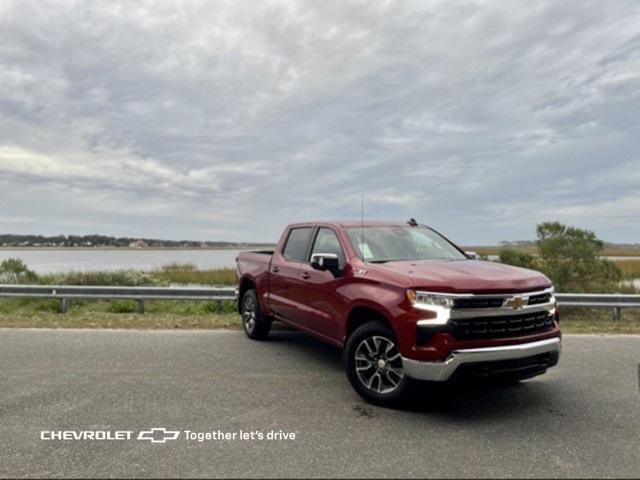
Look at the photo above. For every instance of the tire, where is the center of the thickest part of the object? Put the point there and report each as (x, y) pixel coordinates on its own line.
(374, 365)
(255, 324)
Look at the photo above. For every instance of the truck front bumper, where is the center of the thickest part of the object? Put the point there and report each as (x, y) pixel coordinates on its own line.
(441, 371)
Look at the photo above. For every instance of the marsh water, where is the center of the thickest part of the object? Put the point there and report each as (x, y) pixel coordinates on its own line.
(89, 259)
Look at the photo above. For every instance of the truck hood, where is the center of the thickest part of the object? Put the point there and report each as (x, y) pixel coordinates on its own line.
(468, 276)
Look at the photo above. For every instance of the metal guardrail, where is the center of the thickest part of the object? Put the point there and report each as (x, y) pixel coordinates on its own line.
(64, 293)
(615, 301)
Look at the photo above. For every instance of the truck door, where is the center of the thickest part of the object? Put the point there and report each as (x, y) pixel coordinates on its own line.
(321, 301)
(285, 281)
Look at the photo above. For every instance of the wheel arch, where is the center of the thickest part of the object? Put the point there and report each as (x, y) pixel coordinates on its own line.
(246, 283)
(361, 314)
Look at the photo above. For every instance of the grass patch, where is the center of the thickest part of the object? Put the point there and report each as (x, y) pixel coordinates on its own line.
(125, 278)
(495, 250)
(123, 306)
(187, 273)
(174, 273)
(116, 314)
(599, 320)
(29, 312)
(630, 268)
(87, 319)
(9, 306)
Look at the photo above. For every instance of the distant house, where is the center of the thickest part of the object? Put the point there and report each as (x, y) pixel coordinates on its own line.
(139, 244)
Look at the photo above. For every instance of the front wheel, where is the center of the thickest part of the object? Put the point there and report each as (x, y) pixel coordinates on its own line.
(374, 365)
(255, 324)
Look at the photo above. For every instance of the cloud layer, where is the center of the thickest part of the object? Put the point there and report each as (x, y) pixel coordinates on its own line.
(227, 120)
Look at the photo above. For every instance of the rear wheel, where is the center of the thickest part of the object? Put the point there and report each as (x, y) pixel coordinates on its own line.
(374, 365)
(255, 324)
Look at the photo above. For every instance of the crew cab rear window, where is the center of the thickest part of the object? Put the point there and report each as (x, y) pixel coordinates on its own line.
(297, 242)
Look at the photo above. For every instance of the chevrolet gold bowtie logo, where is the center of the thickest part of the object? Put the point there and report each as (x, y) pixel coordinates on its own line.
(515, 302)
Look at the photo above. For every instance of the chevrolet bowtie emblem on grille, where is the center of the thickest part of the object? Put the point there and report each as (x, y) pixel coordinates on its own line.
(515, 302)
(158, 435)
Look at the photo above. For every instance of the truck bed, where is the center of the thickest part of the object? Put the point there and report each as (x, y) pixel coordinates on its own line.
(254, 265)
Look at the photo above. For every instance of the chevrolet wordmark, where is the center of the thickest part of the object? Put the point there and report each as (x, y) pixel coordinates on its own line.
(404, 303)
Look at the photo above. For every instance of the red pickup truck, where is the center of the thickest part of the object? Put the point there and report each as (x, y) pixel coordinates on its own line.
(404, 303)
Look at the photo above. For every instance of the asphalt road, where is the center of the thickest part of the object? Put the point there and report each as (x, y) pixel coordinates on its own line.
(580, 419)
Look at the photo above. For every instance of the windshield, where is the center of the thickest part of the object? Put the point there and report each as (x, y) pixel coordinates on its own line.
(395, 243)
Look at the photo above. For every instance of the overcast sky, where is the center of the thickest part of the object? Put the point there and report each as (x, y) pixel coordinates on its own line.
(226, 120)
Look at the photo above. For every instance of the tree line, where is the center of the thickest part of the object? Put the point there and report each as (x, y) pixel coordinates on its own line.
(11, 240)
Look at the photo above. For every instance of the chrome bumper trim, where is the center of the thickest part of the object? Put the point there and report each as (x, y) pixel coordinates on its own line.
(441, 371)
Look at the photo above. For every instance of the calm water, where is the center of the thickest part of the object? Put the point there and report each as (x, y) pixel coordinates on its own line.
(52, 261)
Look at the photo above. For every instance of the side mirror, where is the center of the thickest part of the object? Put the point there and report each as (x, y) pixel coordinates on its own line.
(472, 255)
(325, 261)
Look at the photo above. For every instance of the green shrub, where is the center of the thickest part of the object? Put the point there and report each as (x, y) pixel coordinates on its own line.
(14, 270)
(518, 259)
(571, 258)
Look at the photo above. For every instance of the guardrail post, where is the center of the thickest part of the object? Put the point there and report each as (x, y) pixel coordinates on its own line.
(616, 314)
(218, 307)
(140, 306)
(63, 305)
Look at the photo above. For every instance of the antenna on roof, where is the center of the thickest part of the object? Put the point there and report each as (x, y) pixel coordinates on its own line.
(362, 225)
(412, 222)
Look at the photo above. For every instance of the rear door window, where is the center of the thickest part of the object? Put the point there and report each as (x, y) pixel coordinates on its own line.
(297, 243)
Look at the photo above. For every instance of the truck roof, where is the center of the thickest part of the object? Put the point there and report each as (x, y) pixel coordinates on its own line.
(350, 223)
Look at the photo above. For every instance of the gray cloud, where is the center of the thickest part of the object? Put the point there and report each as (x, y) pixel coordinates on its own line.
(229, 119)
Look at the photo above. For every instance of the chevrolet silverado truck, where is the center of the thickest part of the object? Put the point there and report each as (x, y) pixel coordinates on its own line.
(403, 302)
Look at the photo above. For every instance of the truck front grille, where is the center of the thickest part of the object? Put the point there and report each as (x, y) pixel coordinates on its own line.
(501, 326)
(539, 298)
(479, 302)
(497, 302)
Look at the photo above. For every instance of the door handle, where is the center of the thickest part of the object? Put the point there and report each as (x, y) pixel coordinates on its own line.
(275, 269)
(306, 275)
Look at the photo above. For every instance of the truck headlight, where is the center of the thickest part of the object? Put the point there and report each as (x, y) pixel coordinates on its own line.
(552, 299)
(440, 304)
